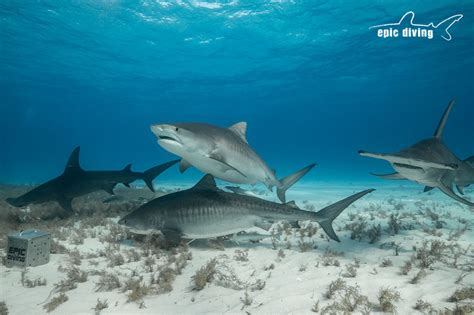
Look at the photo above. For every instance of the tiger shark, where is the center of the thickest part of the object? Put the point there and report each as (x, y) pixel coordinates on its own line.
(75, 182)
(205, 211)
(222, 152)
(430, 163)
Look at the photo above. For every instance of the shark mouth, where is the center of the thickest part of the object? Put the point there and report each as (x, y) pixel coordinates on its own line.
(167, 138)
(408, 166)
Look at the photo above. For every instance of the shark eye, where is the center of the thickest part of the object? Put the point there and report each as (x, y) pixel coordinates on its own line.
(177, 129)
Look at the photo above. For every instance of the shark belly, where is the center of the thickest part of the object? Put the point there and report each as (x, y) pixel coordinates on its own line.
(216, 227)
(428, 177)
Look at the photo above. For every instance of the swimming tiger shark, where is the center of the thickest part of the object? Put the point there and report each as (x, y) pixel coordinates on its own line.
(205, 211)
(222, 152)
(431, 163)
(75, 182)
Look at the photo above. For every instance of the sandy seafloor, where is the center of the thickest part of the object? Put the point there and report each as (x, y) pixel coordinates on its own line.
(289, 277)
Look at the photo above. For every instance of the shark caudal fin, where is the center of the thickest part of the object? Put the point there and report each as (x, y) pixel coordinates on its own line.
(152, 173)
(326, 216)
(442, 123)
(289, 180)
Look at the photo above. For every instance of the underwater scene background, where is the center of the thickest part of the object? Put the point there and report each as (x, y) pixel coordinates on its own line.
(310, 78)
(315, 84)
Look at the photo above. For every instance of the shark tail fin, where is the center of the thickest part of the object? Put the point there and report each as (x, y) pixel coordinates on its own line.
(152, 173)
(289, 180)
(326, 216)
(442, 123)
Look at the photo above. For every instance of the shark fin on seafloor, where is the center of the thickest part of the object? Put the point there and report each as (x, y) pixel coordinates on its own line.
(206, 183)
(66, 204)
(448, 191)
(240, 129)
(389, 176)
(73, 161)
(183, 166)
(442, 123)
(427, 188)
(460, 189)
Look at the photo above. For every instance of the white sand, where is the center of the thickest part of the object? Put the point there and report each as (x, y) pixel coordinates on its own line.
(288, 288)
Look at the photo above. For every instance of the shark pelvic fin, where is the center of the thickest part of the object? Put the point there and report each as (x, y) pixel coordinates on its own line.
(183, 166)
(73, 161)
(326, 216)
(442, 123)
(288, 181)
(206, 183)
(389, 176)
(240, 129)
(448, 191)
(460, 189)
(428, 188)
(66, 203)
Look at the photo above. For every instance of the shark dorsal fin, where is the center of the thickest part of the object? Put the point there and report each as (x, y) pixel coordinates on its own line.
(240, 129)
(442, 123)
(206, 183)
(128, 168)
(73, 162)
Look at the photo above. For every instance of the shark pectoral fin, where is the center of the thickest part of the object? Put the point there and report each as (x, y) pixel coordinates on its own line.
(460, 189)
(219, 158)
(428, 188)
(172, 236)
(448, 191)
(264, 225)
(66, 204)
(389, 176)
(183, 166)
(408, 162)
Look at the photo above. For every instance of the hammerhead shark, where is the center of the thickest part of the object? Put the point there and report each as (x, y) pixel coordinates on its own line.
(430, 163)
(222, 152)
(75, 182)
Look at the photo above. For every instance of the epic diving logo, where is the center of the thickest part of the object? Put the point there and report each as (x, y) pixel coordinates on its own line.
(407, 29)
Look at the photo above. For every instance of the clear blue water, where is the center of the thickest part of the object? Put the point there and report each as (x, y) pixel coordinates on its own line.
(312, 81)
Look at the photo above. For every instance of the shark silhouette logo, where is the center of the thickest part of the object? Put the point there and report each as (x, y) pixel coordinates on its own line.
(407, 28)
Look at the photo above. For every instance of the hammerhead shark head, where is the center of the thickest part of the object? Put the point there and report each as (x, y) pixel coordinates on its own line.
(430, 163)
(75, 182)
